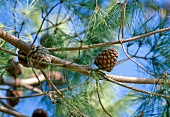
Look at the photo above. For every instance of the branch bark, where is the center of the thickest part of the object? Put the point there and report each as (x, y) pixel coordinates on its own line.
(79, 68)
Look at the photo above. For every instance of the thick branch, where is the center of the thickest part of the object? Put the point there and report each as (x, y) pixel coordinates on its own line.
(23, 46)
(11, 112)
(70, 66)
(82, 69)
(135, 80)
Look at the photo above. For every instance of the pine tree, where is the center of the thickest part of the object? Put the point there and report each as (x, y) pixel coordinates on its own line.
(56, 44)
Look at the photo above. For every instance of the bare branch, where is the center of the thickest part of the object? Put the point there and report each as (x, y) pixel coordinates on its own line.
(122, 26)
(109, 43)
(27, 96)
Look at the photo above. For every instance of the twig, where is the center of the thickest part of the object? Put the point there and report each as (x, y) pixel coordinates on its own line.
(122, 26)
(49, 81)
(6, 105)
(14, 17)
(50, 27)
(121, 61)
(36, 75)
(22, 25)
(42, 93)
(43, 22)
(29, 96)
(97, 85)
(109, 43)
(23, 46)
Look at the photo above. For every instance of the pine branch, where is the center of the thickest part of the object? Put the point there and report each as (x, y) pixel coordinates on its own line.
(42, 93)
(50, 83)
(138, 90)
(11, 112)
(98, 94)
(6, 105)
(19, 97)
(23, 46)
(109, 43)
(135, 80)
(79, 68)
(122, 26)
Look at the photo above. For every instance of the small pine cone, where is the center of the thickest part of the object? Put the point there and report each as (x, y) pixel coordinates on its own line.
(106, 59)
(14, 93)
(38, 53)
(14, 69)
(39, 113)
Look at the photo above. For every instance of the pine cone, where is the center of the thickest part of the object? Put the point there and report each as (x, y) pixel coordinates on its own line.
(39, 113)
(106, 59)
(14, 69)
(39, 53)
(13, 93)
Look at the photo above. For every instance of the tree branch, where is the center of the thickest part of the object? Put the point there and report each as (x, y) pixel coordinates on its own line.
(23, 46)
(109, 43)
(11, 112)
(84, 69)
(135, 80)
(138, 90)
(28, 81)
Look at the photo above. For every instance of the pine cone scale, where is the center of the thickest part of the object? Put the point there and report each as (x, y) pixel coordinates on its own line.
(38, 53)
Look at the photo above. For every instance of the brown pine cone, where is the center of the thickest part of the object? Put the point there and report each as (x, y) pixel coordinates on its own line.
(14, 69)
(106, 59)
(38, 53)
(14, 93)
(39, 113)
